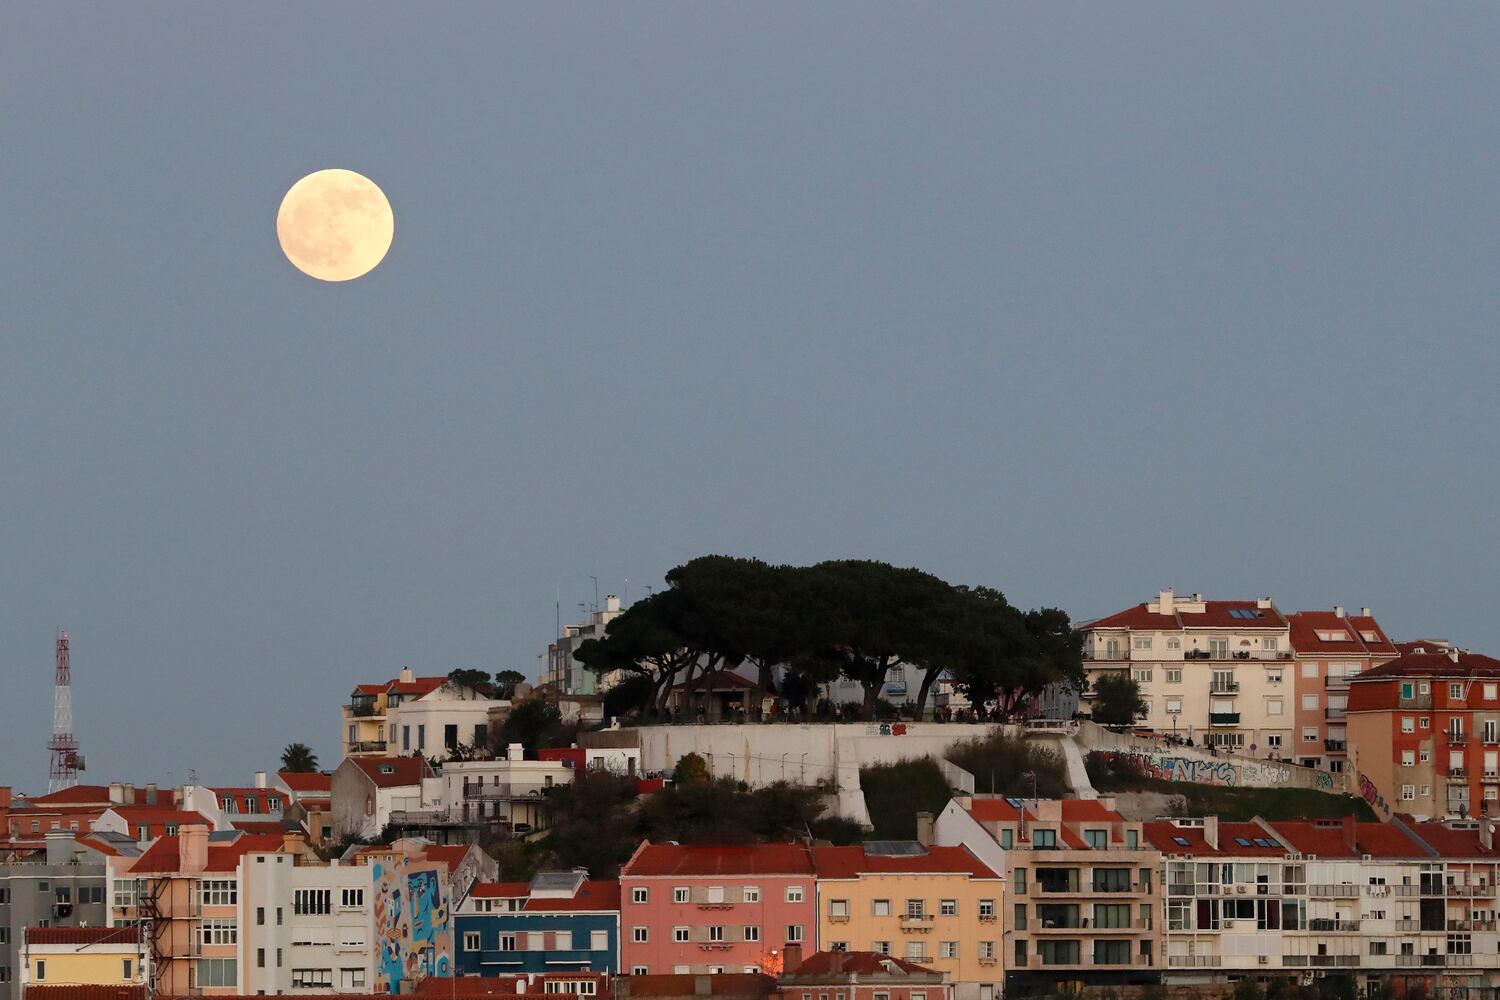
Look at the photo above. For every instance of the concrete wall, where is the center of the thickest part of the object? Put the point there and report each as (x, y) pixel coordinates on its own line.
(1186, 764)
(761, 755)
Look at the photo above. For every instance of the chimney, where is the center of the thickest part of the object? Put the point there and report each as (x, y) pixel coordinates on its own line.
(836, 962)
(116, 793)
(127, 794)
(1264, 602)
(1211, 831)
(1338, 611)
(1166, 602)
(1350, 841)
(792, 958)
(260, 779)
(515, 751)
(192, 847)
(407, 676)
(924, 829)
(521, 985)
(1364, 612)
(293, 842)
(611, 602)
(1453, 654)
(703, 986)
(61, 847)
(151, 794)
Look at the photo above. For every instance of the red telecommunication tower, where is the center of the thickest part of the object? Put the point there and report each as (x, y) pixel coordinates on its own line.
(66, 761)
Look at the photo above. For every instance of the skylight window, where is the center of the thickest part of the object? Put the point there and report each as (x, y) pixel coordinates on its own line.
(1242, 841)
(1264, 842)
(1180, 841)
(1245, 613)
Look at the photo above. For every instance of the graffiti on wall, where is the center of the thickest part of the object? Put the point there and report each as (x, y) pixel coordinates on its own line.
(1372, 796)
(413, 932)
(1167, 766)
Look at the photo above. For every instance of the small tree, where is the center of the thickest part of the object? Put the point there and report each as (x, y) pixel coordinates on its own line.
(299, 758)
(691, 770)
(534, 724)
(1247, 989)
(506, 681)
(469, 679)
(631, 696)
(1117, 700)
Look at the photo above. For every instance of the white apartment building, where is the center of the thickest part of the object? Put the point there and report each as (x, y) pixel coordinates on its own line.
(1217, 672)
(511, 791)
(559, 666)
(307, 928)
(428, 715)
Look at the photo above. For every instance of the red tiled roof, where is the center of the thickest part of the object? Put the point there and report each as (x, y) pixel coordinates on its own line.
(863, 963)
(994, 811)
(1451, 843)
(83, 935)
(1326, 839)
(43, 992)
(451, 855)
(165, 855)
(257, 825)
(157, 818)
(1433, 665)
(372, 689)
(77, 795)
(1137, 617)
(592, 896)
(683, 859)
(262, 797)
(404, 770)
(418, 687)
(1381, 645)
(1423, 646)
(851, 862)
(308, 782)
(724, 984)
(1163, 835)
(1215, 614)
(1088, 810)
(500, 890)
(1307, 624)
(510, 986)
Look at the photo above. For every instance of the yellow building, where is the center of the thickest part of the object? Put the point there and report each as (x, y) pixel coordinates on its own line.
(83, 956)
(939, 907)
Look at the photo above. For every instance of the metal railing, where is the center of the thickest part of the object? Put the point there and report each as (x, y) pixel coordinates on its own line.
(1339, 890)
(368, 746)
(1224, 687)
(1335, 713)
(1335, 746)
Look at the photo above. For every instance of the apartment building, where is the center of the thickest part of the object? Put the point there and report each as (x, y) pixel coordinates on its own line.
(559, 921)
(29, 818)
(1216, 672)
(311, 801)
(1083, 901)
(1328, 649)
(1424, 734)
(929, 906)
(1374, 901)
(410, 714)
(83, 956)
(560, 667)
(59, 887)
(696, 909)
(368, 792)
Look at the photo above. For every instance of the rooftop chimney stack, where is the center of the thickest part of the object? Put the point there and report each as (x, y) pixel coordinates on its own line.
(1453, 654)
(1350, 840)
(792, 960)
(407, 676)
(151, 794)
(192, 847)
(1487, 835)
(1338, 611)
(260, 779)
(1166, 602)
(1264, 602)
(1364, 612)
(611, 602)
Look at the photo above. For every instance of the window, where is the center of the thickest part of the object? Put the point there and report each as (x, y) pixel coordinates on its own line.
(598, 940)
(716, 932)
(471, 940)
(881, 907)
(1268, 644)
(1174, 675)
(1111, 952)
(916, 951)
(752, 932)
(640, 970)
(1424, 756)
(1273, 676)
(536, 941)
(1143, 675)
(838, 908)
(752, 894)
(948, 907)
(1273, 706)
(679, 934)
(793, 933)
(1273, 741)
(1043, 838)
(220, 932)
(312, 902)
(351, 979)
(1112, 915)
(312, 978)
(221, 892)
(987, 906)
(715, 894)
(508, 942)
(1310, 671)
(1455, 692)
(1141, 642)
(217, 972)
(987, 949)
(880, 947)
(41, 970)
(352, 899)
(916, 909)
(1408, 758)
(127, 892)
(1408, 690)
(1309, 734)
(1408, 793)
(795, 893)
(1096, 839)
(1490, 691)
(1006, 838)
(638, 895)
(1058, 952)
(1111, 879)
(638, 935)
(680, 894)
(1310, 703)
(1424, 790)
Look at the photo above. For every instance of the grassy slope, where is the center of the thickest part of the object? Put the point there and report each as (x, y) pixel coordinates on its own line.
(895, 793)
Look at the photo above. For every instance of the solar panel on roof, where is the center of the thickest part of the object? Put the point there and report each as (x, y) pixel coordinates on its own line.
(895, 848)
(1180, 841)
(1242, 841)
(555, 880)
(1264, 842)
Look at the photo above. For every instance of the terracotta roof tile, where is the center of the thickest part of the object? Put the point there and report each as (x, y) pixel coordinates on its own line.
(308, 782)
(1433, 665)
(724, 984)
(164, 856)
(83, 935)
(862, 963)
(393, 772)
(851, 862)
(592, 897)
(756, 859)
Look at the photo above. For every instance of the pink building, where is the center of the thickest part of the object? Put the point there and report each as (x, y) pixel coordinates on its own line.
(694, 909)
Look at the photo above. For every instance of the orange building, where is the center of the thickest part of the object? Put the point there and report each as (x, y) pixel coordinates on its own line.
(1424, 735)
(1329, 647)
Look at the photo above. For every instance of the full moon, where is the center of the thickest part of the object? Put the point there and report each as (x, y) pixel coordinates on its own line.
(335, 225)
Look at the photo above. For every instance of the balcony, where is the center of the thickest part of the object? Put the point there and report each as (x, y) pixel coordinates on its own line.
(1333, 961)
(1192, 961)
(1335, 713)
(367, 746)
(1326, 924)
(1457, 774)
(1223, 718)
(1335, 890)
(1335, 746)
(1241, 654)
(1224, 687)
(363, 708)
(1333, 683)
(1471, 925)
(505, 792)
(1109, 654)
(1471, 891)
(1425, 961)
(1456, 739)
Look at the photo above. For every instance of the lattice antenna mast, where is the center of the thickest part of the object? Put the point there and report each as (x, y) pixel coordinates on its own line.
(64, 770)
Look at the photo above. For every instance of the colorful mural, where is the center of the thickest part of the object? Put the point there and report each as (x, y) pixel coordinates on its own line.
(413, 926)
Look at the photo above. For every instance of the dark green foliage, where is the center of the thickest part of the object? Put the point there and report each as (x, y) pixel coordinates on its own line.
(506, 681)
(895, 793)
(1002, 765)
(631, 696)
(691, 769)
(838, 830)
(1117, 700)
(592, 823)
(1247, 989)
(298, 757)
(468, 679)
(534, 724)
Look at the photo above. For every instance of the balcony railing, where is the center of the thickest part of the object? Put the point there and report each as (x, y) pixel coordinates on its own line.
(1333, 961)
(1458, 773)
(1192, 961)
(1239, 654)
(1224, 687)
(500, 793)
(1335, 746)
(1469, 891)
(1327, 924)
(362, 709)
(1471, 925)
(367, 746)
(1456, 739)
(1335, 713)
(1108, 655)
(1336, 890)
(1335, 683)
(1223, 718)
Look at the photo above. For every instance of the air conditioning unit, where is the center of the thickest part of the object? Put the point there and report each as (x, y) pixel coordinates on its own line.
(1366, 858)
(1242, 889)
(1263, 959)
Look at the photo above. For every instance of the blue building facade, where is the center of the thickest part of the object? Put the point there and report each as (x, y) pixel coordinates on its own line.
(560, 922)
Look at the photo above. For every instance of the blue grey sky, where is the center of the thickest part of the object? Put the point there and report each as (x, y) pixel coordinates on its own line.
(1074, 300)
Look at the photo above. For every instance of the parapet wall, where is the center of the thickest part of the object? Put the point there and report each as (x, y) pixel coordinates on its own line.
(1176, 763)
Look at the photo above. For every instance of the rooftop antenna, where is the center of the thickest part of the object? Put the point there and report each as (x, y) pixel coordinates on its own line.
(596, 591)
(64, 770)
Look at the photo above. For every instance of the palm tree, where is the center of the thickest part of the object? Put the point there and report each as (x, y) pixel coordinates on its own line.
(298, 757)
